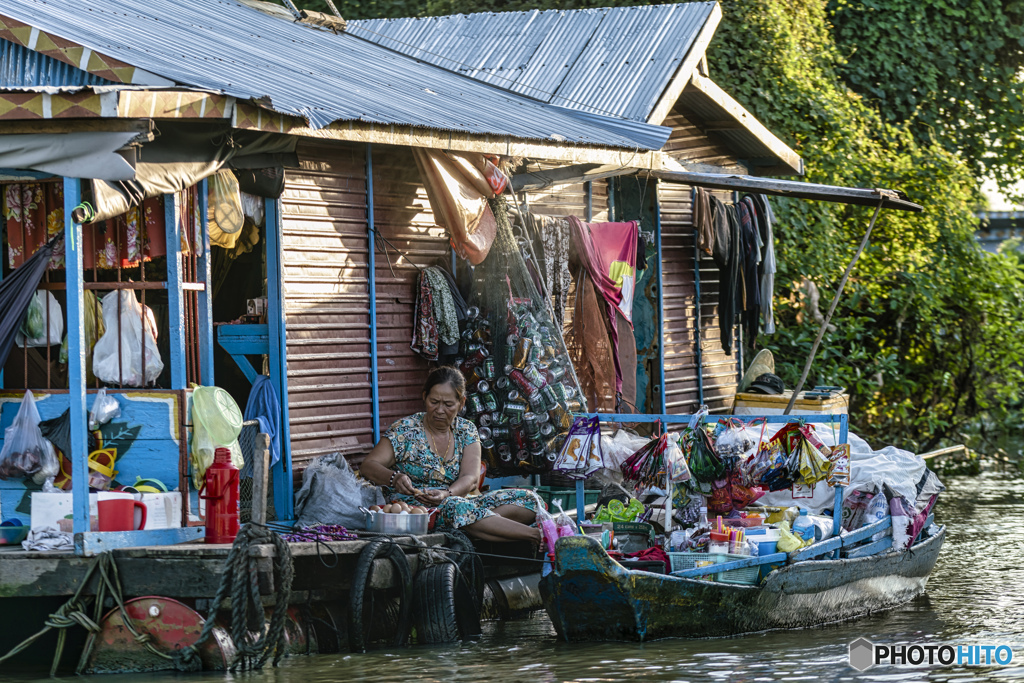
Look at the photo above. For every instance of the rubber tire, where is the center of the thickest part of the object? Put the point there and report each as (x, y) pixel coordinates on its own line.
(383, 548)
(444, 607)
(471, 565)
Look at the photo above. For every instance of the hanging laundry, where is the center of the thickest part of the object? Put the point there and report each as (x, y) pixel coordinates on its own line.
(443, 306)
(264, 406)
(727, 254)
(608, 252)
(424, 329)
(703, 221)
(751, 254)
(589, 343)
(554, 235)
(769, 266)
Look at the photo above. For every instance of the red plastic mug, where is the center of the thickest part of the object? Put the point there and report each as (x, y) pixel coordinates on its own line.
(118, 514)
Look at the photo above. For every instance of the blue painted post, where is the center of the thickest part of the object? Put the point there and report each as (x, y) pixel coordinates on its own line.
(837, 507)
(371, 266)
(76, 357)
(581, 501)
(175, 298)
(663, 399)
(611, 199)
(283, 500)
(588, 191)
(206, 296)
(699, 346)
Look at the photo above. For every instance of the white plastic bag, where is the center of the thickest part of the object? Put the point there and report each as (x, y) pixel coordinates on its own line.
(616, 449)
(128, 371)
(33, 332)
(25, 452)
(104, 409)
(678, 470)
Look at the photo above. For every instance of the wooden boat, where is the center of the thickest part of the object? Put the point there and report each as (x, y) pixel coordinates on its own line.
(589, 596)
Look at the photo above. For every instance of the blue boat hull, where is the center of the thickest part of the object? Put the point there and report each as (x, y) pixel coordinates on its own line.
(589, 596)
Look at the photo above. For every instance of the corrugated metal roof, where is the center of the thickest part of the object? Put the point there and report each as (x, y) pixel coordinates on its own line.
(308, 72)
(21, 67)
(613, 61)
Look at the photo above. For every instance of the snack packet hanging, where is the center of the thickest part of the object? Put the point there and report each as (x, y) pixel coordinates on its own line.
(577, 452)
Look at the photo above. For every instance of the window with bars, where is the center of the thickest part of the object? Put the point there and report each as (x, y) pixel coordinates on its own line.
(125, 268)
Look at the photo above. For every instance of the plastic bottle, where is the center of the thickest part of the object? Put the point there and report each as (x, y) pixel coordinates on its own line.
(803, 526)
(702, 519)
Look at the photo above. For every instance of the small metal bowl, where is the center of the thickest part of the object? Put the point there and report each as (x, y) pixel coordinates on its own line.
(13, 535)
(391, 523)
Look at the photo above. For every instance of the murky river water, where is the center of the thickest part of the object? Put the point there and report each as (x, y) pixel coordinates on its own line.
(975, 595)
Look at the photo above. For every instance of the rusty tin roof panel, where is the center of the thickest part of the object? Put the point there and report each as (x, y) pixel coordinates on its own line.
(304, 71)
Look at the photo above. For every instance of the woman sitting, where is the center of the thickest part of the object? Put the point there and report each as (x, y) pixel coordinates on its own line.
(433, 457)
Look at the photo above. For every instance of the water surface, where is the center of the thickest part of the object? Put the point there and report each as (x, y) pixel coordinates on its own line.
(975, 595)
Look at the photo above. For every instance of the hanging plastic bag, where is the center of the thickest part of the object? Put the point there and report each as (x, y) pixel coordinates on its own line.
(675, 461)
(94, 329)
(127, 370)
(216, 423)
(226, 215)
(104, 409)
(26, 452)
(35, 331)
(732, 440)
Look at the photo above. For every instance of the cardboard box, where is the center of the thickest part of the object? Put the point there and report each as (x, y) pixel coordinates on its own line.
(163, 510)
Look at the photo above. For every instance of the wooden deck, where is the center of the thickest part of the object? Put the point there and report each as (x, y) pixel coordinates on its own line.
(193, 570)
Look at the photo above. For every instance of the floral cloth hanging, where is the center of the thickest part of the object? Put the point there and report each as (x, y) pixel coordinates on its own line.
(35, 212)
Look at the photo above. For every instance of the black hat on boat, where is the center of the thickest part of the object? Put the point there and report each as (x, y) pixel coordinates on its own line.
(767, 384)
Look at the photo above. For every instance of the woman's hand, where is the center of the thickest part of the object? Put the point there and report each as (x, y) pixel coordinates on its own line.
(403, 484)
(433, 498)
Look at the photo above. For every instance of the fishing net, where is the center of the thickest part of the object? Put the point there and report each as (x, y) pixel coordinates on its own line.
(522, 388)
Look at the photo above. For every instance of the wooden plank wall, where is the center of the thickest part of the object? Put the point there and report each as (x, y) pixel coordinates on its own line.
(402, 214)
(327, 302)
(719, 371)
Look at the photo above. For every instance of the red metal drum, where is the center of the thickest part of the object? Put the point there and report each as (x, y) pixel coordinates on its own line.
(171, 625)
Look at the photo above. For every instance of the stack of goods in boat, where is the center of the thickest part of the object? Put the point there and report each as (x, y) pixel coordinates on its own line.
(745, 490)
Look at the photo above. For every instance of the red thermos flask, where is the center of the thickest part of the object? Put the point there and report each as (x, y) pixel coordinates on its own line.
(221, 497)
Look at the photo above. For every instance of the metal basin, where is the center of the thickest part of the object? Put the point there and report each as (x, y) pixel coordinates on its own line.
(389, 523)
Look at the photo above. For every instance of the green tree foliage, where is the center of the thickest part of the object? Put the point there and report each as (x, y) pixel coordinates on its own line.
(947, 69)
(929, 336)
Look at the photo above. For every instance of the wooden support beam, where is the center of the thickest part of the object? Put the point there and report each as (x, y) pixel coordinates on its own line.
(259, 481)
(57, 126)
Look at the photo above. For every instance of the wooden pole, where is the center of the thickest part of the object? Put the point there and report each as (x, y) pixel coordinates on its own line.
(260, 472)
(831, 310)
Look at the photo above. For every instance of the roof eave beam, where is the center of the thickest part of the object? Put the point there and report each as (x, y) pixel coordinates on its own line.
(786, 156)
(567, 175)
(686, 69)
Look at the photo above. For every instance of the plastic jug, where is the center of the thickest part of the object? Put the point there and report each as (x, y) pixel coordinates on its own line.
(803, 526)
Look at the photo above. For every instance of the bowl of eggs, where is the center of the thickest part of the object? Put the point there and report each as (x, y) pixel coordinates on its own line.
(398, 518)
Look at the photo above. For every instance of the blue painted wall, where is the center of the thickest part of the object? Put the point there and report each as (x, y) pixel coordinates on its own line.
(146, 434)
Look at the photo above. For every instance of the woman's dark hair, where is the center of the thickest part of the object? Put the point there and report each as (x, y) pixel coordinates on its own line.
(446, 374)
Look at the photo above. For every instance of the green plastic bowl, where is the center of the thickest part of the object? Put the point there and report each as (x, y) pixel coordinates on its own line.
(12, 535)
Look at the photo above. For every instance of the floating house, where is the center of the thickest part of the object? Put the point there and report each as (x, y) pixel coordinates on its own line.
(116, 118)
